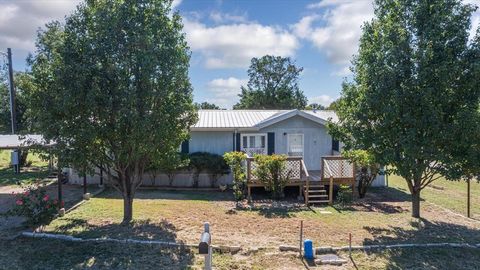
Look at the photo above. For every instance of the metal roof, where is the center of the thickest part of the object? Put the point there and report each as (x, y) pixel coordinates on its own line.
(21, 141)
(228, 119)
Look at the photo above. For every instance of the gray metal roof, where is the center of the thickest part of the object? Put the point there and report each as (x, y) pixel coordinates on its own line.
(219, 119)
(21, 141)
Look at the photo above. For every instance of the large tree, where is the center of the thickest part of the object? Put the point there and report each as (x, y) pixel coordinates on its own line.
(23, 87)
(113, 89)
(412, 88)
(272, 84)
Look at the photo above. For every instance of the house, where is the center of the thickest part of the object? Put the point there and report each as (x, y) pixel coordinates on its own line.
(290, 132)
(300, 134)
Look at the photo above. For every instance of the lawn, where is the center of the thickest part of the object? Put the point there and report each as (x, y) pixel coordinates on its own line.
(449, 194)
(55, 254)
(37, 170)
(179, 216)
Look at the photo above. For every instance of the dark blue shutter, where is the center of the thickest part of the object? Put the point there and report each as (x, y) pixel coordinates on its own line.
(270, 143)
(237, 141)
(185, 147)
(335, 145)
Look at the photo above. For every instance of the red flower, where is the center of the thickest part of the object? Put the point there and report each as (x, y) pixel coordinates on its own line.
(45, 198)
(19, 202)
(26, 193)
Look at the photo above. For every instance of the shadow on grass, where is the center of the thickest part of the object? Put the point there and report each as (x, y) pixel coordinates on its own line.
(137, 229)
(26, 176)
(424, 231)
(55, 254)
(154, 194)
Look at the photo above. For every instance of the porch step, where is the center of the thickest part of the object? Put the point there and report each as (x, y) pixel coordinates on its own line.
(319, 201)
(317, 191)
(318, 196)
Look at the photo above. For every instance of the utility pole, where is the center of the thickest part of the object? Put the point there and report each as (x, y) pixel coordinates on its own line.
(13, 112)
(12, 92)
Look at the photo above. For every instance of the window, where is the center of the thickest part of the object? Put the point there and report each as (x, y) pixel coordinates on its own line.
(254, 144)
(295, 145)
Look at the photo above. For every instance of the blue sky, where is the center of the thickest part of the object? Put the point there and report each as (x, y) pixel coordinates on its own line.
(320, 35)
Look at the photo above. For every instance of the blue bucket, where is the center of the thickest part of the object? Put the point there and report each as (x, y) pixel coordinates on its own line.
(308, 249)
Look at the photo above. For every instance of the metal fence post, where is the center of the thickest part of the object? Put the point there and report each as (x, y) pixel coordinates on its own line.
(205, 246)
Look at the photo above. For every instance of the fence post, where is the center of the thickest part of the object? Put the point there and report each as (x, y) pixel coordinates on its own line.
(330, 191)
(205, 246)
(301, 237)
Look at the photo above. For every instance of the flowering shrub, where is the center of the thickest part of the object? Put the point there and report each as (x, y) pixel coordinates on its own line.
(35, 205)
(236, 161)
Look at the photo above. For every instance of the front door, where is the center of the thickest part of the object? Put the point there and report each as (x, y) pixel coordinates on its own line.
(295, 145)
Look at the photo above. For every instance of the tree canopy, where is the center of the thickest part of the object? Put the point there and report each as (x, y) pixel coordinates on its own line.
(272, 84)
(206, 106)
(23, 88)
(415, 81)
(113, 89)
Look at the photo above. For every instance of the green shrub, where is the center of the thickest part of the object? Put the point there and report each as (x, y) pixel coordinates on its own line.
(236, 161)
(212, 164)
(271, 170)
(35, 205)
(344, 195)
(170, 164)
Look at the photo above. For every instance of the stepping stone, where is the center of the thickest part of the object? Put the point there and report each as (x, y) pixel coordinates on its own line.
(330, 259)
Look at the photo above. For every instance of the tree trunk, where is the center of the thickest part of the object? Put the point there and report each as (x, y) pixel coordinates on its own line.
(127, 208)
(416, 203)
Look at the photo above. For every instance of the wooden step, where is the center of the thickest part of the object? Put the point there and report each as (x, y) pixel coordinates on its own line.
(318, 196)
(318, 190)
(315, 187)
(319, 201)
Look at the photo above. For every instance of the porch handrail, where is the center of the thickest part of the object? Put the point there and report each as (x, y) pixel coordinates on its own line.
(330, 187)
(307, 184)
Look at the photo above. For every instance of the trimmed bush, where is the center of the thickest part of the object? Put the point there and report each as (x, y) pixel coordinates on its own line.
(236, 161)
(271, 170)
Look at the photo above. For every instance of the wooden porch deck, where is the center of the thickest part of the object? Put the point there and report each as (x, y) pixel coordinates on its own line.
(338, 171)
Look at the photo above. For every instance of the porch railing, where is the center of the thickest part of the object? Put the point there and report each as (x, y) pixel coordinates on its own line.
(337, 169)
(295, 165)
(251, 151)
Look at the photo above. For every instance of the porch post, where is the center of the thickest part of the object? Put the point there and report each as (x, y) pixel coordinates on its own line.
(330, 191)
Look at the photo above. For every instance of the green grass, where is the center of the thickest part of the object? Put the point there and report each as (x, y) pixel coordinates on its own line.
(417, 258)
(37, 170)
(449, 194)
(179, 216)
(24, 253)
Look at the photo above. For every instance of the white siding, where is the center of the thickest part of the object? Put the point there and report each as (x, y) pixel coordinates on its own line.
(317, 142)
(216, 142)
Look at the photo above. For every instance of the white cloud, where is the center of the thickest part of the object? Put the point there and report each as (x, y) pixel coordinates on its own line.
(219, 17)
(340, 30)
(324, 100)
(475, 17)
(233, 45)
(339, 34)
(224, 92)
(19, 21)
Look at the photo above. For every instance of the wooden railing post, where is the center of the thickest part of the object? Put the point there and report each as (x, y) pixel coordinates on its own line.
(248, 170)
(330, 191)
